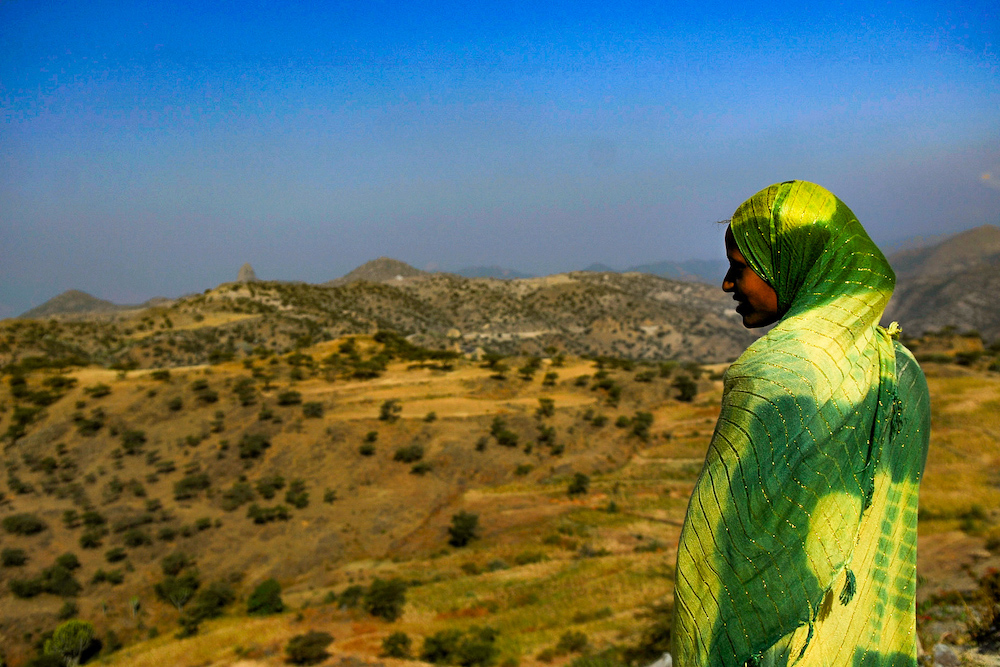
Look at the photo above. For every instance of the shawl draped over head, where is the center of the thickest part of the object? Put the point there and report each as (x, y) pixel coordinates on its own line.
(799, 545)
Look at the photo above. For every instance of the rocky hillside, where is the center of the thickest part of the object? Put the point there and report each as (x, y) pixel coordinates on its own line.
(72, 302)
(381, 270)
(955, 283)
(631, 315)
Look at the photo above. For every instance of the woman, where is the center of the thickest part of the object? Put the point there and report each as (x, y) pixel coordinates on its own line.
(799, 545)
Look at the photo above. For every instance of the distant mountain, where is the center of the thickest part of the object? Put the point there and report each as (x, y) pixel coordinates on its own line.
(693, 270)
(71, 302)
(381, 270)
(597, 267)
(953, 283)
(493, 271)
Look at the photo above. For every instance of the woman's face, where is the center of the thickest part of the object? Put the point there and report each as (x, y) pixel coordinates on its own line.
(758, 302)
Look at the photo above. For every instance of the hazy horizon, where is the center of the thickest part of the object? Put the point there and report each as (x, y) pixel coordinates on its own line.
(151, 149)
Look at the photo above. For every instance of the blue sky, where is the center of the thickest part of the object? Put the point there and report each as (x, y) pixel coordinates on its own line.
(149, 149)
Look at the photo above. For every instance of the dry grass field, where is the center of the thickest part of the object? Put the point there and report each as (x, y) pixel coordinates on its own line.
(507, 449)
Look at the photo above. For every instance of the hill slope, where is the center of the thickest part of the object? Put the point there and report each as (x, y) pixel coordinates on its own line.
(71, 302)
(954, 283)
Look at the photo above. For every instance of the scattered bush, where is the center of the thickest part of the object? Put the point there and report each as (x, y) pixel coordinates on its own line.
(262, 515)
(463, 529)
(297, 496)
(312, 410)
(473, 648)
(686, 388)
(189, 485)
(13, 557)
(252, 446)
(397, 645)
(69, 561)
(289, 397)
(409, 454)
(132, 441)
(546, 408)
(175, 404)
(389, 410)
(308, 649)
(385, 598)
(572, 642)
(239, 494)
(178, 590)
(115, 555)
(134, 538)
(269, 485)
(580, 485)
(266, 599)
(23, 524)
(99, 390)
(367, 449)
(421, 468)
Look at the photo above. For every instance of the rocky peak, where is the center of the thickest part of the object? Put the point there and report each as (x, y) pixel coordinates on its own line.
(246, 274)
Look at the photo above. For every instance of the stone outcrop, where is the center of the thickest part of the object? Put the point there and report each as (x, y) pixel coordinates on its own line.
(246, 274)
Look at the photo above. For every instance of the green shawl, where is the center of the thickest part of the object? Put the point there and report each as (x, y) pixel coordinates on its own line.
(799, 545)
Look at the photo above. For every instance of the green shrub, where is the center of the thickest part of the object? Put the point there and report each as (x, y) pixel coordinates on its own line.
(23, 524)
(580, 485)
(69, 561)
(389, 410)
(175, 563)
(239, 494)
(161, 375)
(397, 645)
(409, 454)
(421, 468)
(385, 598)
(179, 590)
(641, 422)
(132, 441)
(262, 515)
(572, 642)
(134, 538)
(351, 597)
(367, 449)
(115, 555)
(686, 388)
(212, 600)
(70, 641)
(289, 397)
(13, 557)
(99, 390)
(266, 599)
(308, 649)
(269, 485)
(175, 404)
(463, 529)
(189, 485)
(91, 538)
(546, 408)
(297, 496)
(473, 648)
(312, 410)
(252, 446)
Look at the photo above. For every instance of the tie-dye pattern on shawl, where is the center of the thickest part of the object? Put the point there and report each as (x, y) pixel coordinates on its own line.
(799, 545)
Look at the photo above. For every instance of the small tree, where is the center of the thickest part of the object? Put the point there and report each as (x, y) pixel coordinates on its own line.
(390, 409)
(580, 485)
(385, 599)
(397, 645)
(686, 388)
(266, 599)
(308, 649)
(463, 529)
(70, 640)
(178, 591)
